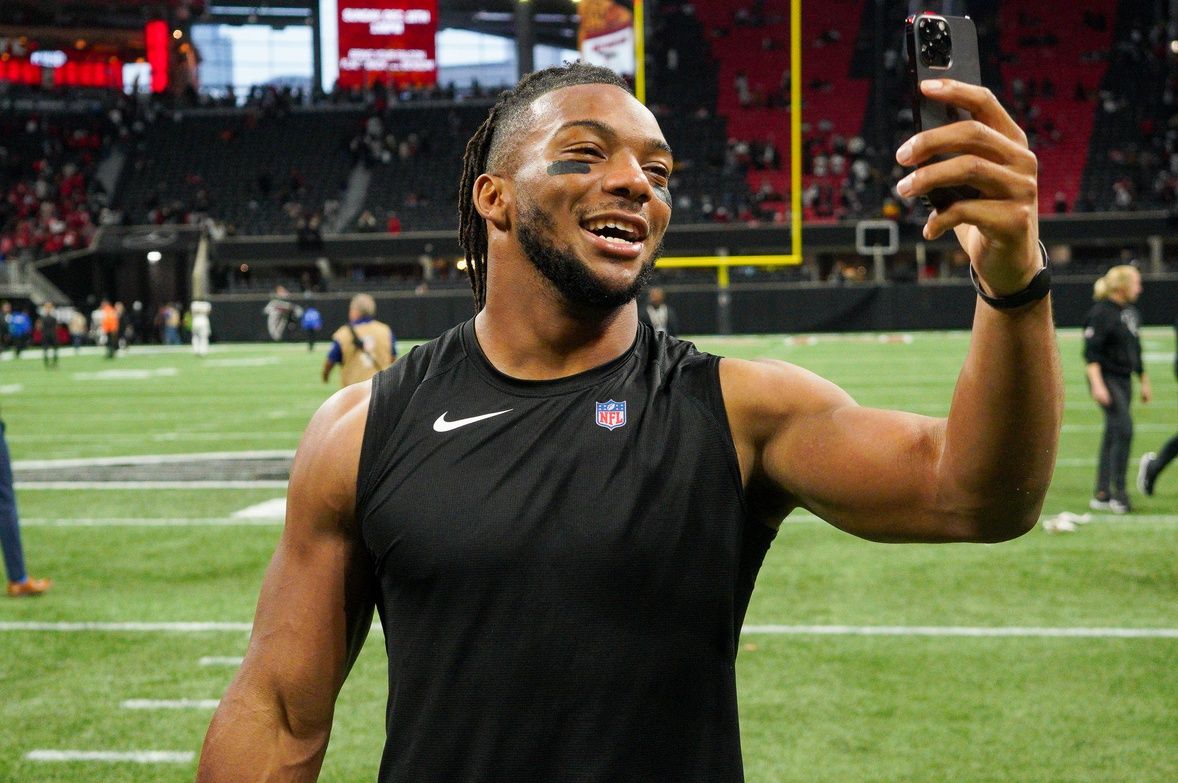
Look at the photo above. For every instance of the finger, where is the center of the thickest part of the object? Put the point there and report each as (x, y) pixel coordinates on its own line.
(991, 179)
(968, 136)
(978, 101)
(998, 219)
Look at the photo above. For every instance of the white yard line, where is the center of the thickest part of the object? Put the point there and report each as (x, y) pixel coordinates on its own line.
(58, 485)
(221, 660)
(125, 627)
(796, 518)
(150, 459)
(949, 630)
(152, 522)
(787, 630)
(115, 756)
(170, 704)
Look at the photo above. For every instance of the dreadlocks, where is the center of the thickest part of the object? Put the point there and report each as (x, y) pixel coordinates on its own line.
(487, 151)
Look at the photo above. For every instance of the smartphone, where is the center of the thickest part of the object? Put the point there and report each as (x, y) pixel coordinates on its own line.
(941, 47)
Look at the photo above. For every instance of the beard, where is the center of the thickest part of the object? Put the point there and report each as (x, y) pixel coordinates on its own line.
(568, 274)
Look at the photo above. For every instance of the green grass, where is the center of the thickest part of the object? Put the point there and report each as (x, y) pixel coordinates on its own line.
(814, 708)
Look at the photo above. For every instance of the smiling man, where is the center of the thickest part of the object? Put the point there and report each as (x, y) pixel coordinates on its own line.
(560, 514)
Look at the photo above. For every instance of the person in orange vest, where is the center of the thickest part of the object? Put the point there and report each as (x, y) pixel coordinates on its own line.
(110, 327)
(363, 346)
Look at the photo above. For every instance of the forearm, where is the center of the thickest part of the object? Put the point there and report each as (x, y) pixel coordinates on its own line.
(1003, 428)
(249, 739)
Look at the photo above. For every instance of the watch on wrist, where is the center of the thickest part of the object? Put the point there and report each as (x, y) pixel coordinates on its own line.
(1035, 290)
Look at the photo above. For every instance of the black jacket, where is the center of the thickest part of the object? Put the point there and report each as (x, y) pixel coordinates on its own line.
(1110, 338)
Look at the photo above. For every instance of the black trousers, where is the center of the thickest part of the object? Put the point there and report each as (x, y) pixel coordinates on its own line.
(1118, 435)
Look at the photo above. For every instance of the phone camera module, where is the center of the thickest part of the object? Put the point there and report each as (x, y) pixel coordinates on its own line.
(936, 47)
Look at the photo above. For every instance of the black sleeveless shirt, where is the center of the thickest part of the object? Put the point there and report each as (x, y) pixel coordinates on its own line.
(563, 567)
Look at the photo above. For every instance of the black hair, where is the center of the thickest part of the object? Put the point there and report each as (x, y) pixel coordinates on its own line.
(488, 150)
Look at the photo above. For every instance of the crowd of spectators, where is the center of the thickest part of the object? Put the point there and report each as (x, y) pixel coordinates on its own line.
(50, 200)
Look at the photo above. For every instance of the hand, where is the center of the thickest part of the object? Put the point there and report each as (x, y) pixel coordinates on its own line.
(1146, 390)
(1101, 395)
(999, 229)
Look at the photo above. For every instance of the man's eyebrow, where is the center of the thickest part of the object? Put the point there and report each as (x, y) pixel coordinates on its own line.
(607, 131)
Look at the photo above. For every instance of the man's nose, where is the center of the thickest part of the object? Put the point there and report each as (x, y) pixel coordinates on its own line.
(627, 179)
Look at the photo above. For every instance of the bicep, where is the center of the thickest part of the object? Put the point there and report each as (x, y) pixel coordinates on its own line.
(873, 473)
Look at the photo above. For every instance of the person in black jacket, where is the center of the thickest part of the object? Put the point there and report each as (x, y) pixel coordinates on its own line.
(1153, 463)
(1112, 351)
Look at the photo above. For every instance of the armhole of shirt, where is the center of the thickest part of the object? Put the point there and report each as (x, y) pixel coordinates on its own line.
(713, 401)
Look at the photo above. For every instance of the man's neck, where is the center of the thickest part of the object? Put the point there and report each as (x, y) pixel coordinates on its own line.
(545, 342)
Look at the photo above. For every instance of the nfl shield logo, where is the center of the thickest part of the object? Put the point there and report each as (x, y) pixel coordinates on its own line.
(611, 414)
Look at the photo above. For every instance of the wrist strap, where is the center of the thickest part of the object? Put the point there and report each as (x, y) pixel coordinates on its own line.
(1038, 288)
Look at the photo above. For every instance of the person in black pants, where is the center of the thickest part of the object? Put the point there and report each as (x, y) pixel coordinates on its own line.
(1153, 463)
(49, 334)
(1112, 351)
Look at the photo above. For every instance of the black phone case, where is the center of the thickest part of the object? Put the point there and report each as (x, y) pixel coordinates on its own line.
(964, 66)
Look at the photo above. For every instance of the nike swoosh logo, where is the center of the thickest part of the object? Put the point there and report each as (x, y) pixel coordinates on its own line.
(441, 425)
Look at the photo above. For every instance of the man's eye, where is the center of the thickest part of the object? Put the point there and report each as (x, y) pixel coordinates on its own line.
(590, 151)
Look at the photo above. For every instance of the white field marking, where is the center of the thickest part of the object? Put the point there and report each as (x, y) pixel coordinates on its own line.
(153, 522)
(114, 756)
(170, 437)
(801, 517)
(127, 375)
(11, 388)
(150, 459)
(949, 630)
(27, 486)
(221, 660)
(243, 361)
(126, 627)
(170, 704)
(1158, 357)
(269, 509)
(786, 630)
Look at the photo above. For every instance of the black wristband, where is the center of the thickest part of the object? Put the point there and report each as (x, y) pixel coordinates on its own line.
(1038, 288)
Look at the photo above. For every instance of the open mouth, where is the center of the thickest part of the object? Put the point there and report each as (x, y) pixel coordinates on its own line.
(615, 234)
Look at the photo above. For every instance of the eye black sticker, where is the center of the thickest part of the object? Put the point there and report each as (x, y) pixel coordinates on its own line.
(558, 167)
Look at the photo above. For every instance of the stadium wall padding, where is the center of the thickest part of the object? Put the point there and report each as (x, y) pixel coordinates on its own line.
(753, 309)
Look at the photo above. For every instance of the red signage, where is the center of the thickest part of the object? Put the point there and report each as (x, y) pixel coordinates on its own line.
(390, 41)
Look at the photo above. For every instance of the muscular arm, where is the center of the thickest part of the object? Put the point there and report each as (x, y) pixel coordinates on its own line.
(982, 473)
(313, 615)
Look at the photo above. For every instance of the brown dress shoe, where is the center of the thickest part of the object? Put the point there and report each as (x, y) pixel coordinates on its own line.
(30, 586)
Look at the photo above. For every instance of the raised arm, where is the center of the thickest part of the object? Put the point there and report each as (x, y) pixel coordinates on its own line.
(313, 615)
(981, 474)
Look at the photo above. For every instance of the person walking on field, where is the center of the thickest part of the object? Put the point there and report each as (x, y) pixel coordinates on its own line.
(559, 513)
(1112, 352)
(1153, 463)
(49, 334)
(202, 329)
(20, 584)
(363, 346)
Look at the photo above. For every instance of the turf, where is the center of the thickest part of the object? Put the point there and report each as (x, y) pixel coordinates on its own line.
(813, 707)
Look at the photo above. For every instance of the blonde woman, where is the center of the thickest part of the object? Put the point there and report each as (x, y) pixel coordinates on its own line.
(1112, 351)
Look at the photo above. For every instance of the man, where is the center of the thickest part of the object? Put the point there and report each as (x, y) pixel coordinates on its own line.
(110, 327)
(202, 328)
(20, 584)
(363, 346)
(1153, 463)
(49, 334)
(657, 314)
(560, 515)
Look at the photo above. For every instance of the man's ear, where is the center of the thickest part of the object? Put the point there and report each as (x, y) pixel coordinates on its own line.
(492, 199)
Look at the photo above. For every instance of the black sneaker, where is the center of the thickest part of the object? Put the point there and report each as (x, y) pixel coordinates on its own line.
(1145, 474)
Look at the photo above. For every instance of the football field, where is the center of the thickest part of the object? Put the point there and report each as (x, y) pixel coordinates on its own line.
(149, 490)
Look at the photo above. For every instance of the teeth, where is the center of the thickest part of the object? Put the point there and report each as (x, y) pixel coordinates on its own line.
(601, 225)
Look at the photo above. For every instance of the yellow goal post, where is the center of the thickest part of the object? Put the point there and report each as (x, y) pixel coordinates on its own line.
(723, 263)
